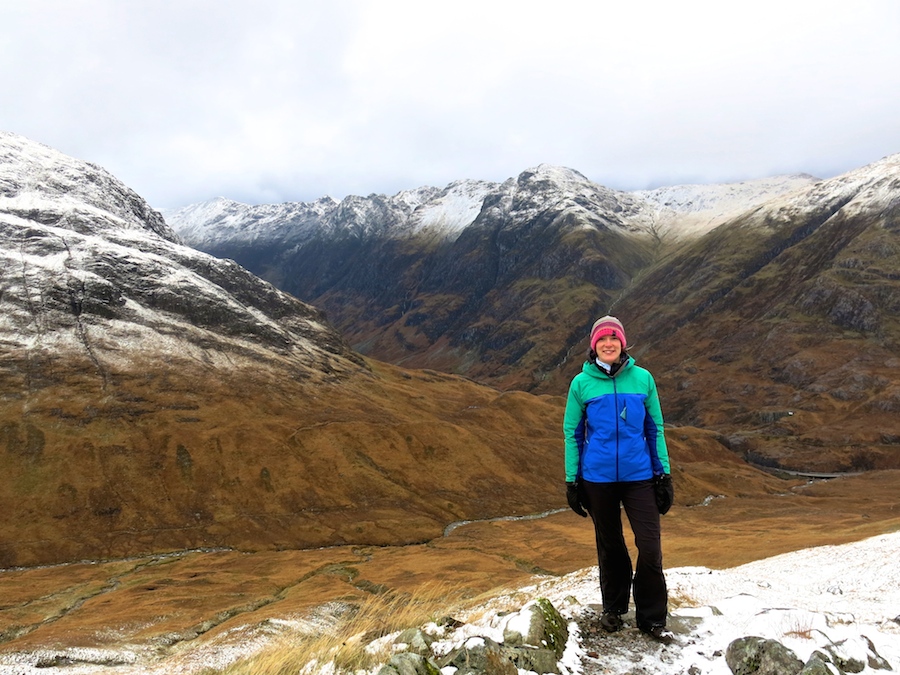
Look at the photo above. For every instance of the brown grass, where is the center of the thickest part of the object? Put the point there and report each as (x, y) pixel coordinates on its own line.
(345, 642)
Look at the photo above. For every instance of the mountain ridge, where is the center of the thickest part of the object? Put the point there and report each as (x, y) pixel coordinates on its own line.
(156, 398)
(445, 297)
(201, 225)
(741, 309)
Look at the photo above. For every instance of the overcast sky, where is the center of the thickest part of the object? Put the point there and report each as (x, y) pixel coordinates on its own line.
(289, 100)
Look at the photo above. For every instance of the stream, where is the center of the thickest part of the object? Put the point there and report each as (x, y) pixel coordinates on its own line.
(533, 516)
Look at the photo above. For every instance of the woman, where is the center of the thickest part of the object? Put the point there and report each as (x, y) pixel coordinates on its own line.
(616, 454)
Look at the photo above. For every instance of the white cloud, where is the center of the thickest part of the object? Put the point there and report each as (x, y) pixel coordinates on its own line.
(278, 100)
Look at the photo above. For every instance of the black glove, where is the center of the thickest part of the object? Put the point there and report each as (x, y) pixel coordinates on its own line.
(665, 492)
(574, 501)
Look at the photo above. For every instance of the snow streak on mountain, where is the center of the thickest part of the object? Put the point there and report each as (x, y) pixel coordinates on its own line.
(89, 267)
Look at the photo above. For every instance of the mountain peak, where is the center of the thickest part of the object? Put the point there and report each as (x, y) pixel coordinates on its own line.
(100, 275)
(561, 174)
(35, 178)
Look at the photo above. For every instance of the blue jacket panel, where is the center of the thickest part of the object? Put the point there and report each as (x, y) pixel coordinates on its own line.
(613, 426)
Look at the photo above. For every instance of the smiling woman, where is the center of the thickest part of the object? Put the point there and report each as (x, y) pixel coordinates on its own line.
(615, 453)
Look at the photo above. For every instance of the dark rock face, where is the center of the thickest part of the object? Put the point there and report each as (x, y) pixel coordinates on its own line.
(788, 304)
(475, 278)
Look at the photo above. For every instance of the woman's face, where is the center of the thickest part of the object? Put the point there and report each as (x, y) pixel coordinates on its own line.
(608, 348)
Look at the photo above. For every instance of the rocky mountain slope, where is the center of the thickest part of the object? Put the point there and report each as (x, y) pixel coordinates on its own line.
(767, 310)
(781, 327)
(153, 397)
(494, 281)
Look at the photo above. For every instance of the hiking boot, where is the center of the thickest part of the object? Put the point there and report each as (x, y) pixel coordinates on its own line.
(659, 633)
(611, 622)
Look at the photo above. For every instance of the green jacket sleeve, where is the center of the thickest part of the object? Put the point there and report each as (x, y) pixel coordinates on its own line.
(655, 411)
(573, 431)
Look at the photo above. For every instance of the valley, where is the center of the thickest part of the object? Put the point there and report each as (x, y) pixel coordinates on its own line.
(189, 610)
(195, 461)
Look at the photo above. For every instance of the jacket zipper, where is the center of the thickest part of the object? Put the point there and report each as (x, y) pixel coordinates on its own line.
(616, 399)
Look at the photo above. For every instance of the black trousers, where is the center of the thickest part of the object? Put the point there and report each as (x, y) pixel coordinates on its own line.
(616, 578)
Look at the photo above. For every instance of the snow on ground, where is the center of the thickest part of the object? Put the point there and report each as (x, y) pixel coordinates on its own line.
(801, 599)
(804, 600)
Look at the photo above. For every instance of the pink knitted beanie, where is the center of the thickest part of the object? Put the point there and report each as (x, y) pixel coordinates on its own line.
(608, 325)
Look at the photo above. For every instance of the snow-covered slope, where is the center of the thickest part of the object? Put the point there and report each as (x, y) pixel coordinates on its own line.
(203, 223)
(88, 268)
(676, 212)
(40, 183)
(451, 209)
(443, 213)
(687, 211)
(829, 598)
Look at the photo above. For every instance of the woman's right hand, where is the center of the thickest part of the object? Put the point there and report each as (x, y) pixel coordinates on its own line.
(573, 499)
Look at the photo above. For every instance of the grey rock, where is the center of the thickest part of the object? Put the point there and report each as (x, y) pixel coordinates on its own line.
(758, 656)
(416, 641)
(546, 628)
(819, 664)
(539, 661)
(480, 655)
(407, 663)
(854, 654)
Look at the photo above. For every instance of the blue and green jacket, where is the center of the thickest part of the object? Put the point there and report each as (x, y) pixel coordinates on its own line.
(613, 426)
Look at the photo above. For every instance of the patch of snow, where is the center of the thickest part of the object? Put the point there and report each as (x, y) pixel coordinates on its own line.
(687, 211)
(805, 600)
(455, 209)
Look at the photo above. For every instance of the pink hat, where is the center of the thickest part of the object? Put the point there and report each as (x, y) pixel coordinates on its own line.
(608, 325)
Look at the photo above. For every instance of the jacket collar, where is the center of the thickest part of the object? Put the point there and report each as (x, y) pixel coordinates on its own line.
(594, 370)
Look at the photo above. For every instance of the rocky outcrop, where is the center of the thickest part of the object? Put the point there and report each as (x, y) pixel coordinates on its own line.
(760, 656)
(534, 639)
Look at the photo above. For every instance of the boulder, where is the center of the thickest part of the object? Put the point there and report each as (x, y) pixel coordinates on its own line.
(538, 625)
(480, 655)
(854, 654)
(759, 656)
(416, 641)
(407, 663)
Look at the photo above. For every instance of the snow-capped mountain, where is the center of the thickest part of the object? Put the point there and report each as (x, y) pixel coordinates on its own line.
(122, 356)
(676, 211)
(689, 211)
(204, 223)
(777, 271)
(90, 268)
(403, 275)
(791, 307)
(222, 222)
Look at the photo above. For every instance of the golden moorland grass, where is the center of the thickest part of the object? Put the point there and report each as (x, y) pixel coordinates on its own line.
(346, 641)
